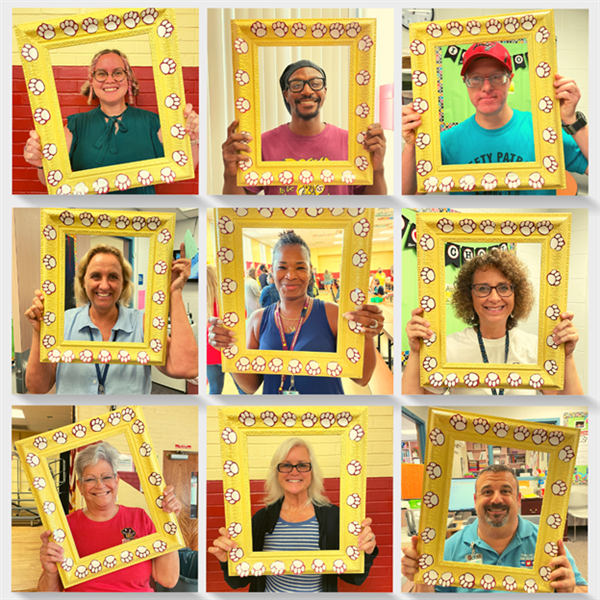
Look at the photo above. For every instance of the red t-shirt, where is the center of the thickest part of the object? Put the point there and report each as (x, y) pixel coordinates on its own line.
(94, 536)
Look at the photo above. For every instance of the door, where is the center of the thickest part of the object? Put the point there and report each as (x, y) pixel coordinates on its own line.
(182, 474)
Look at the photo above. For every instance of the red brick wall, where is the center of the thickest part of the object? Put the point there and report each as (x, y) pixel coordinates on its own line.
(379, 508)
(68, 82)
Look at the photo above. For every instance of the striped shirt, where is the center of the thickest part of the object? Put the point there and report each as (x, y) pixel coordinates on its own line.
(294, 536)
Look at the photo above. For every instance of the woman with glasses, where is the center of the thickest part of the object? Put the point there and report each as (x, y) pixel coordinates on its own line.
(492, 294)
(298, 516)
(104, 524)
(115, 132)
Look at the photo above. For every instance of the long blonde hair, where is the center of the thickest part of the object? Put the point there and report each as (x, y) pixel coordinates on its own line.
(316, 489)
(212, 294)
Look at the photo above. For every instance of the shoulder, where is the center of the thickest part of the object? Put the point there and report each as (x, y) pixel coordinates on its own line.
(74, 517)
(275, 133)
(524, 338)
(527, 528)
(336, 132)
(457, 129)
(466, 335)
(331, 308)
(453, 544)
(75, 314)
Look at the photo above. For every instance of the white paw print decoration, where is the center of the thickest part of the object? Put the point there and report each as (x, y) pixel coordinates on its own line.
(488, 582)
(424, 167)
(446, 579)
(458, 422)
(430, 499)
(554, 520)
(539, 436)
(434, 471)
(566, 454)
(559, 488)
(165, 29)
(530, 586)
(354, 467)
(521, 433)
(288, 419)
(445, 225)
(514, 380)
(467, 580)
(481, 425)
(275, 365)
(556, 437)
(554, 277)
(247, 418)
(509, 583)
(428, 534)
(327, 419)
(353, 500)
(429, 363)
(417, 47)
(427, 242)
(309, 419)
(467, 183)
(536, 381)
(277, 567)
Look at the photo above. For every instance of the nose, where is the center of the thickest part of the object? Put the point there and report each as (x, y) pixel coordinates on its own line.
(494, 294)
(497, 498)
(487, 85)
(294, 467)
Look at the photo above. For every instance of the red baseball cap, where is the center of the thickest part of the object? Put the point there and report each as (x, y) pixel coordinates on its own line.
(487, 50)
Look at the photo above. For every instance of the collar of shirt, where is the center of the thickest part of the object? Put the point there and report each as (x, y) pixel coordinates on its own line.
(124, 321)
(525, 529)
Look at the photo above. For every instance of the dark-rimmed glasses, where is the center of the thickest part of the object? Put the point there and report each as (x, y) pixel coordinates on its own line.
(101, 75)
(297, 85)
(483, 290)
(477, 82)
(289, 467)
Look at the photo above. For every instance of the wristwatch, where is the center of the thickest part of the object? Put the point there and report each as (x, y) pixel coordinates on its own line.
(575, 127)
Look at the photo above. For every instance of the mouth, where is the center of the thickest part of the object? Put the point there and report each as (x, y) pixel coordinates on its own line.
(494, 310)
(308, 102)
(110, 89)
(496, 512)
(101, 494)
(294, 480)
(101, 295)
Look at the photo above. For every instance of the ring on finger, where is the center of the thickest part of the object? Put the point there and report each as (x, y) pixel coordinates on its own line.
(375, 324)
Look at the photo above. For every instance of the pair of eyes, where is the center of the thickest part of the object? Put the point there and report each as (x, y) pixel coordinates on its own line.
(491, 492)
(104, 479)
(112, 276)
(284, 268)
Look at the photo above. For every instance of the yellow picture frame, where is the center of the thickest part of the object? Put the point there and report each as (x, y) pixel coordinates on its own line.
(444, 427)
(247, 35)
(36, 39)
(57, 222)
(553, 231)
(357, 225)
(548, 170)
(235, 425)
(35, 450)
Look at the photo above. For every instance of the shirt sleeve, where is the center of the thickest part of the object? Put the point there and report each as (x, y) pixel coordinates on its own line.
(579, 580)
(72, 123)
(575, 161)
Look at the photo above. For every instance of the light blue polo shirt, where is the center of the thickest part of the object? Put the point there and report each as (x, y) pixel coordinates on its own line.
(518, 553)
(82, 378)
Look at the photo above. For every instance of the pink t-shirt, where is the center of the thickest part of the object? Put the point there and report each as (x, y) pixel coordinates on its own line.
(94, 536)
(281, 144)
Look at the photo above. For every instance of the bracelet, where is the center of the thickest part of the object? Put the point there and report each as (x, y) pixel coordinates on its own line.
(195, 142)
(40, 167)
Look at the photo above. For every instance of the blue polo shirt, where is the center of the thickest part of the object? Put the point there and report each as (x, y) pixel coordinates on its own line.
(82, 378)
(519, 553)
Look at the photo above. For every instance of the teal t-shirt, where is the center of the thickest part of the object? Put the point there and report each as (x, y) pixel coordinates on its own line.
(95, 144)
(469, 143)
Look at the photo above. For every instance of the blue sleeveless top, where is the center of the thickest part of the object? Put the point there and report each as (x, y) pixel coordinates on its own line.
(315, 336)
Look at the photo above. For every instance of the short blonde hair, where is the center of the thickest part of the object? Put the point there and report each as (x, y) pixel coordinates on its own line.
(316, 489)
(82, 266)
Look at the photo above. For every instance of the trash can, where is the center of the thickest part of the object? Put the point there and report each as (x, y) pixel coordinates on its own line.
(188, 573)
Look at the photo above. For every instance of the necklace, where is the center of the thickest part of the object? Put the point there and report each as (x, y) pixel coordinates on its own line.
(292, 328)
(294, 517)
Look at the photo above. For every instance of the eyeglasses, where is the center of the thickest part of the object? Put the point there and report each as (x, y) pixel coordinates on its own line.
(477, 82)
(105, 479)
(289, 467)
(297, 85)
(118, 75)
(483, 290)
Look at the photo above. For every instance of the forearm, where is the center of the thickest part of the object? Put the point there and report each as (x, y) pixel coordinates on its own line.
(49, 582)
(230, 186)
(581, 137)
(581, 589)
(249, 382)
(379, 187)
(165, 569)
(42, 178)
(409, 170)
(182, 358)
(195, 155)
(411, 383)
(369, 363)
(421, 588)
(572, 384)
(39, 377)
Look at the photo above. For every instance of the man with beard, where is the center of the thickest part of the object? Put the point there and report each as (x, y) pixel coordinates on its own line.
(499, 536)
(306, 138)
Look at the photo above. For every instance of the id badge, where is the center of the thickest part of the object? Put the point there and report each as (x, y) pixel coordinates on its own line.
(474, 559)
(290, 392)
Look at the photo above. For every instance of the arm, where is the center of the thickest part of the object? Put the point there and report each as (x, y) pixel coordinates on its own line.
(562, 577)
(410, 121)
(370, 318)
(375, 144)
(232, 146)
(192, 128)
(182, 349)
(566, 333)
(165, 568)
(568, 94)
(220, 548)
(33, 152)
(50, 555)
(39, 377)
(416, 329)
(365, 543)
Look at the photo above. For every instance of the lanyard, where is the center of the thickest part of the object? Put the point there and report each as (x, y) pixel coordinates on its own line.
(484, 355)
(284, 345)
(102, 376)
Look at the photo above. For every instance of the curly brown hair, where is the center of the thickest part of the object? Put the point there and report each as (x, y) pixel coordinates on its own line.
(512, 268)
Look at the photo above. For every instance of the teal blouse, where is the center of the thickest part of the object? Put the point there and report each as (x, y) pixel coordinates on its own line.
(95, 143)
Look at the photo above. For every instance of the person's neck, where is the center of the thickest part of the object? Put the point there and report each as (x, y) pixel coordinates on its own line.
(113, 109)
(295, 503)
(103, 514)
(497, 538)
(312, 126)
(104, 319)
(292, 308)
(495, 121)
(492, 331)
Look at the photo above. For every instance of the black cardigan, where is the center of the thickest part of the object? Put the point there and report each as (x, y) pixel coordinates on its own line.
(328, 518)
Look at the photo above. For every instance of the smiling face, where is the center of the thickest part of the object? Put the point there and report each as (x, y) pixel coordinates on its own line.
(291, 269)
(306, 103)
(489, 99)
(110, 91)
(497, 500)
(99, 495)
(103, 282)
(295, 483)
(494, 310)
